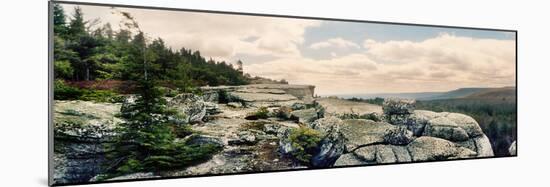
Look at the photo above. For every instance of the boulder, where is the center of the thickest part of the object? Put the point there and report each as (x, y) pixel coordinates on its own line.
(360, 132)
(465, 122)
(283, 112)
(349, 160)
(285, 146)
(483, 146)
(235, 104)
(430, 148)
(398, 136)
(212, 108)
(385, 155)
(204, 139)
(332, 143)
(275, 129)
(443, 127)
(392, 106)
(367, 153)
(513, 149)
(244, 138)
(380, 154)
(418, 120)
(304, 116)
(298, 106)
(191, 106)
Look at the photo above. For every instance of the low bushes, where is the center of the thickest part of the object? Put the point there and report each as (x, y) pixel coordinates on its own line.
(63, 91)
(305, 142)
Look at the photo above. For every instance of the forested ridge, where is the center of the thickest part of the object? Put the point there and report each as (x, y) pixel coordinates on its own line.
(86, 53)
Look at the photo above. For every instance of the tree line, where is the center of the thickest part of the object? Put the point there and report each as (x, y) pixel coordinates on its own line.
(87, 51)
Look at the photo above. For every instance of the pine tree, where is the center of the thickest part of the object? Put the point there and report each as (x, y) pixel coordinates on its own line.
(59, 20)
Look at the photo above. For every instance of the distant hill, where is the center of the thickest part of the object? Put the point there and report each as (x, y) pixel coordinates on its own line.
(416, 95)
(458, 93)
(506, 93)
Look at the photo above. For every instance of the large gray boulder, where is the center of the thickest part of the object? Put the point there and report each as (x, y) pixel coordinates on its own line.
(457, 128)
(417, 121)
(421, 149)
(349, 160)
(360, 132)
(431, 148)
(191, 106)
(383, 154)
(445, 128)
(332, 143)
(460, 129)
(396, 106)
(304, 116)
(200, 139)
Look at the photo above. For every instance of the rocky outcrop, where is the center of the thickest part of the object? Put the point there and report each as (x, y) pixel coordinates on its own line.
(396, 106)
(350, 133)
(410, 135)
(259, 94)
(81, 131)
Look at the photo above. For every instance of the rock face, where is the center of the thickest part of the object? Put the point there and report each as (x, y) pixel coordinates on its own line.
(410, 135)
(81, 131)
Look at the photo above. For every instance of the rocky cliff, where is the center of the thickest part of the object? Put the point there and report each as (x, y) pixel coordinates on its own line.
(257, 125)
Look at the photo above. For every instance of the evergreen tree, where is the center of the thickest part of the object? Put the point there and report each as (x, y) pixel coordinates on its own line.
(59, 20)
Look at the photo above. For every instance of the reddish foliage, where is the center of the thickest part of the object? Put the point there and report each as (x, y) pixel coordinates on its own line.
(123, 87)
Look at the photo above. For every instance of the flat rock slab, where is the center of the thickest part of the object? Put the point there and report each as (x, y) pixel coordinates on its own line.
(257, 90)
(340, 106)
(258, 97)
(431, 148)
(349, 160)
(85, 118)
(360, 132)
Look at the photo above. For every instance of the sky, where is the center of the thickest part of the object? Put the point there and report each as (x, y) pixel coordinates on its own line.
(337, 57)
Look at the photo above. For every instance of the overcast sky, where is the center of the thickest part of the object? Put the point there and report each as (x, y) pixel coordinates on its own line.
(336, 57)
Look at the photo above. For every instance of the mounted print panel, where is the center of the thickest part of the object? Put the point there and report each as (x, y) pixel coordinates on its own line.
(150, 93)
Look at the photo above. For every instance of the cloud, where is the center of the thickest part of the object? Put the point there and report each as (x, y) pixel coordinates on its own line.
(334, 42)
(441, 63)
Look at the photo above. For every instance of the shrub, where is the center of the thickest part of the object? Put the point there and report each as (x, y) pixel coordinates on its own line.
(262, 113)
(101, 96)
(283, 112)
(168, 92)
(62, 91)
(63, 69)
(305, 141)
(181, 131)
